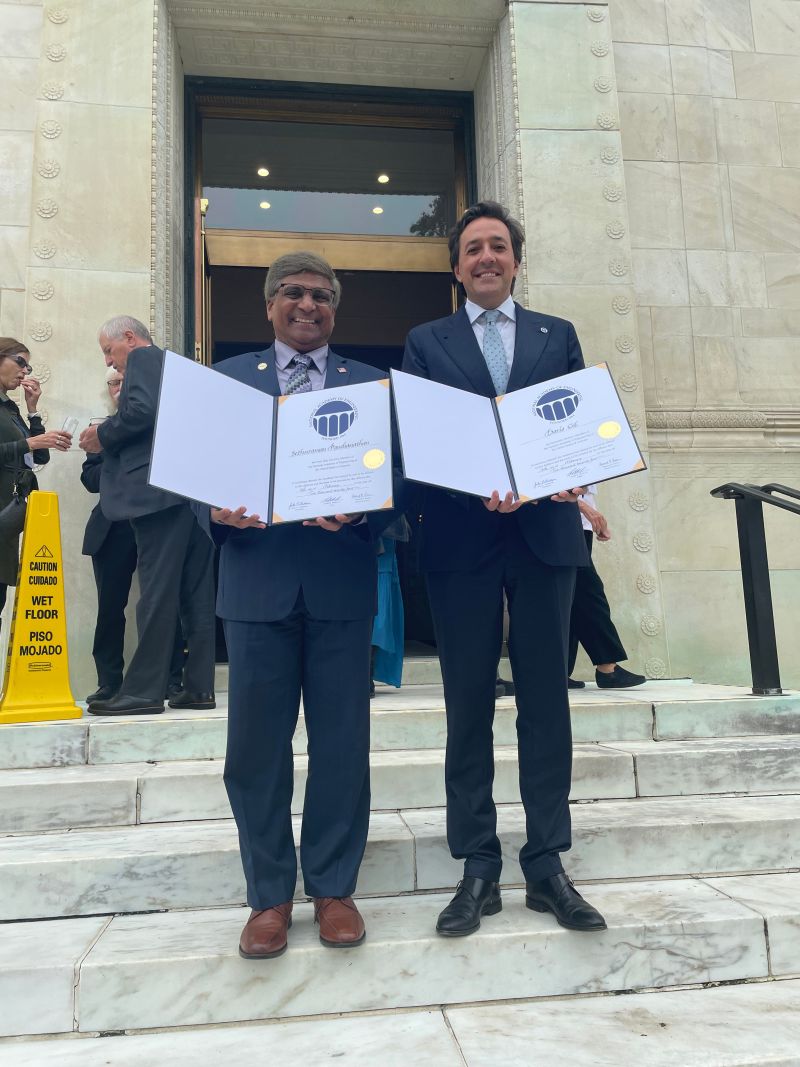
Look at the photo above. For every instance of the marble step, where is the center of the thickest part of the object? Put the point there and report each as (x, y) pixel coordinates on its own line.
(183, 968)
(417, 670)
(196, 865)
(409, 718)
(125, 794)
(177, 791)
(753, 1024)
(412, 717)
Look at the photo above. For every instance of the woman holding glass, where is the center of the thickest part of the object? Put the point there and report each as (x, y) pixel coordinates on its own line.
(21, 445)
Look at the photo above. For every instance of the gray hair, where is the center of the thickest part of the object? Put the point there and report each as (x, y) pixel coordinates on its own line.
(117, 327)
(300, 263)
(112, 372)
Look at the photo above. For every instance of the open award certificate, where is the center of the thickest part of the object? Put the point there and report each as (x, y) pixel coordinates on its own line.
(226, 444)
(534, 442)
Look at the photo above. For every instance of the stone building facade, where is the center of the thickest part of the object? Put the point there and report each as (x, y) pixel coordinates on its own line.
(651, 148)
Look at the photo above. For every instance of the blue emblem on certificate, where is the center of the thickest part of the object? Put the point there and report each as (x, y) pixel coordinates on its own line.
(333, 418)
(557, 404)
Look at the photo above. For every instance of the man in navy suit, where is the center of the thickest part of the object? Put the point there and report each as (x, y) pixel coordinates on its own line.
(297, 603)
(476, 551)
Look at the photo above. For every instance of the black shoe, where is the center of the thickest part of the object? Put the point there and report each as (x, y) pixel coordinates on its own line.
(173, 689)
(371, 689)
(619, 678)
(573, 683)
(124, 705)
(103, 692)
(559, 895)
(502, 688)
(186, 701)
(474, 897)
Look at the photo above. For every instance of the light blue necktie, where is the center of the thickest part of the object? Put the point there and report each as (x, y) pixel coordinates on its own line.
(299, 381)
(493, 351)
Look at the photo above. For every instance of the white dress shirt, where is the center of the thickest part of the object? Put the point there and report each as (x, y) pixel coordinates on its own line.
(317, 368)
(506, 325)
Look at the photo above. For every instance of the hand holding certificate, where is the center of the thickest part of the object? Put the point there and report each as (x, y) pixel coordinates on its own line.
(290, 458)
(534, 443)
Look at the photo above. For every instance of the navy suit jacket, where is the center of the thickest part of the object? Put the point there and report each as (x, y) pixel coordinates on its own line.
(262, 571)
(127, 440)
(457, 530)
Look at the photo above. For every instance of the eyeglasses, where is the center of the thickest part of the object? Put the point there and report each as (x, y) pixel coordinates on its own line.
(22, 362)
(297, 292)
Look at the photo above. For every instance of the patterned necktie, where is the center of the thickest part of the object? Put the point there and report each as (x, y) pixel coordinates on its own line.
(299, 381)
(493, 350)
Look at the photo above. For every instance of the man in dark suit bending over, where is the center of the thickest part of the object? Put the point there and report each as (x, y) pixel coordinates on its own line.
(297, 602)
(476, 551)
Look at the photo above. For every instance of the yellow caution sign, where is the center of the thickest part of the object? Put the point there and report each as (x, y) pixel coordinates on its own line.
(36, 685)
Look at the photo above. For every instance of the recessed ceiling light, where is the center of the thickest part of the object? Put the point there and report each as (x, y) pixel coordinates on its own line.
(263, 172)
(265, 204)
(383, 178)
(377, 211)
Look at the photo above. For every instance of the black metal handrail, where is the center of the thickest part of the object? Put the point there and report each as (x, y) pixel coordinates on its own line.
(750, 500)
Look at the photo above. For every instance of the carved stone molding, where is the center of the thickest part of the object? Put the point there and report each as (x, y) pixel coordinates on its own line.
(42, 290)
(639, 501)
(58, 16)
(706, 420)
(650, 625)
(622, 305)
(603, 85)
(606, 120)
(612, 192)
(625, 343)
(610, 155)
(41, 372)
(51, 129)
(642, 541)
(628, 383)
(49, 168)
(636, 422)
(615, 230)
(52, 90)
(44, 249)
(46, 208)
(41, 331)
(600, 49)
(596, 14)
(56, 53)
(655, 668)
(647, 584)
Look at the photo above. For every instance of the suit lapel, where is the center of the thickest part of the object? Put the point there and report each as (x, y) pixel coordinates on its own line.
(263, 373)
(457, 338)
(529, 345)
(337, 372)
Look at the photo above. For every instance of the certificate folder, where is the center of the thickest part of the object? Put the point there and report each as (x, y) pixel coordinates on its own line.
(533, 442)
(284, 458)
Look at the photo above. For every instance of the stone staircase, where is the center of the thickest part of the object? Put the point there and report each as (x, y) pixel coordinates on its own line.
(122, 896)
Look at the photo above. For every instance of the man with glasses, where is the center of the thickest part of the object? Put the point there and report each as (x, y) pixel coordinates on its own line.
(297, 602)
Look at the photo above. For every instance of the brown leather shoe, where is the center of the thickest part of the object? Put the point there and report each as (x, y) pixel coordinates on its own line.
(340, 923)
(264, 934)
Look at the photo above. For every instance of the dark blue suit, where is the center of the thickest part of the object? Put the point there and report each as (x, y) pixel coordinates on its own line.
(297, 603)
(472, 557)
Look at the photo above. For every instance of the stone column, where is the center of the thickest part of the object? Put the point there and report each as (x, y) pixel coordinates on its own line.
(549, 146)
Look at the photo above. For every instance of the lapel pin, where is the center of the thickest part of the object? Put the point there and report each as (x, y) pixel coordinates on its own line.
(342, 370)
(543, 329)
(262, 366)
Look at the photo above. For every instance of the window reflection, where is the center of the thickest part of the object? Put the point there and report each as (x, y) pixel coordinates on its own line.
(328, 178)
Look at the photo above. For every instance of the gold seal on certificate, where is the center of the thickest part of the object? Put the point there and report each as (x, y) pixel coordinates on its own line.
(609, 430)
(373, 459)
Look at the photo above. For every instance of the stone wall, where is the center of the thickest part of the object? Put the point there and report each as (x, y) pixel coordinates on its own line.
(75, 192)
(709, 97)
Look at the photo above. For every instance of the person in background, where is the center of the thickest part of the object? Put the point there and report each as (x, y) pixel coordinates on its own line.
(21, 445)
(388, 629)
(590, 621)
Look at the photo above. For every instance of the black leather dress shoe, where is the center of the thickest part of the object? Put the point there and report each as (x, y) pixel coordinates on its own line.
(619, 678)
(575, 683)
(103, 692)
(502, 688)
(559, 895)
(186, 701)
(474, 897)
(126, 706)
